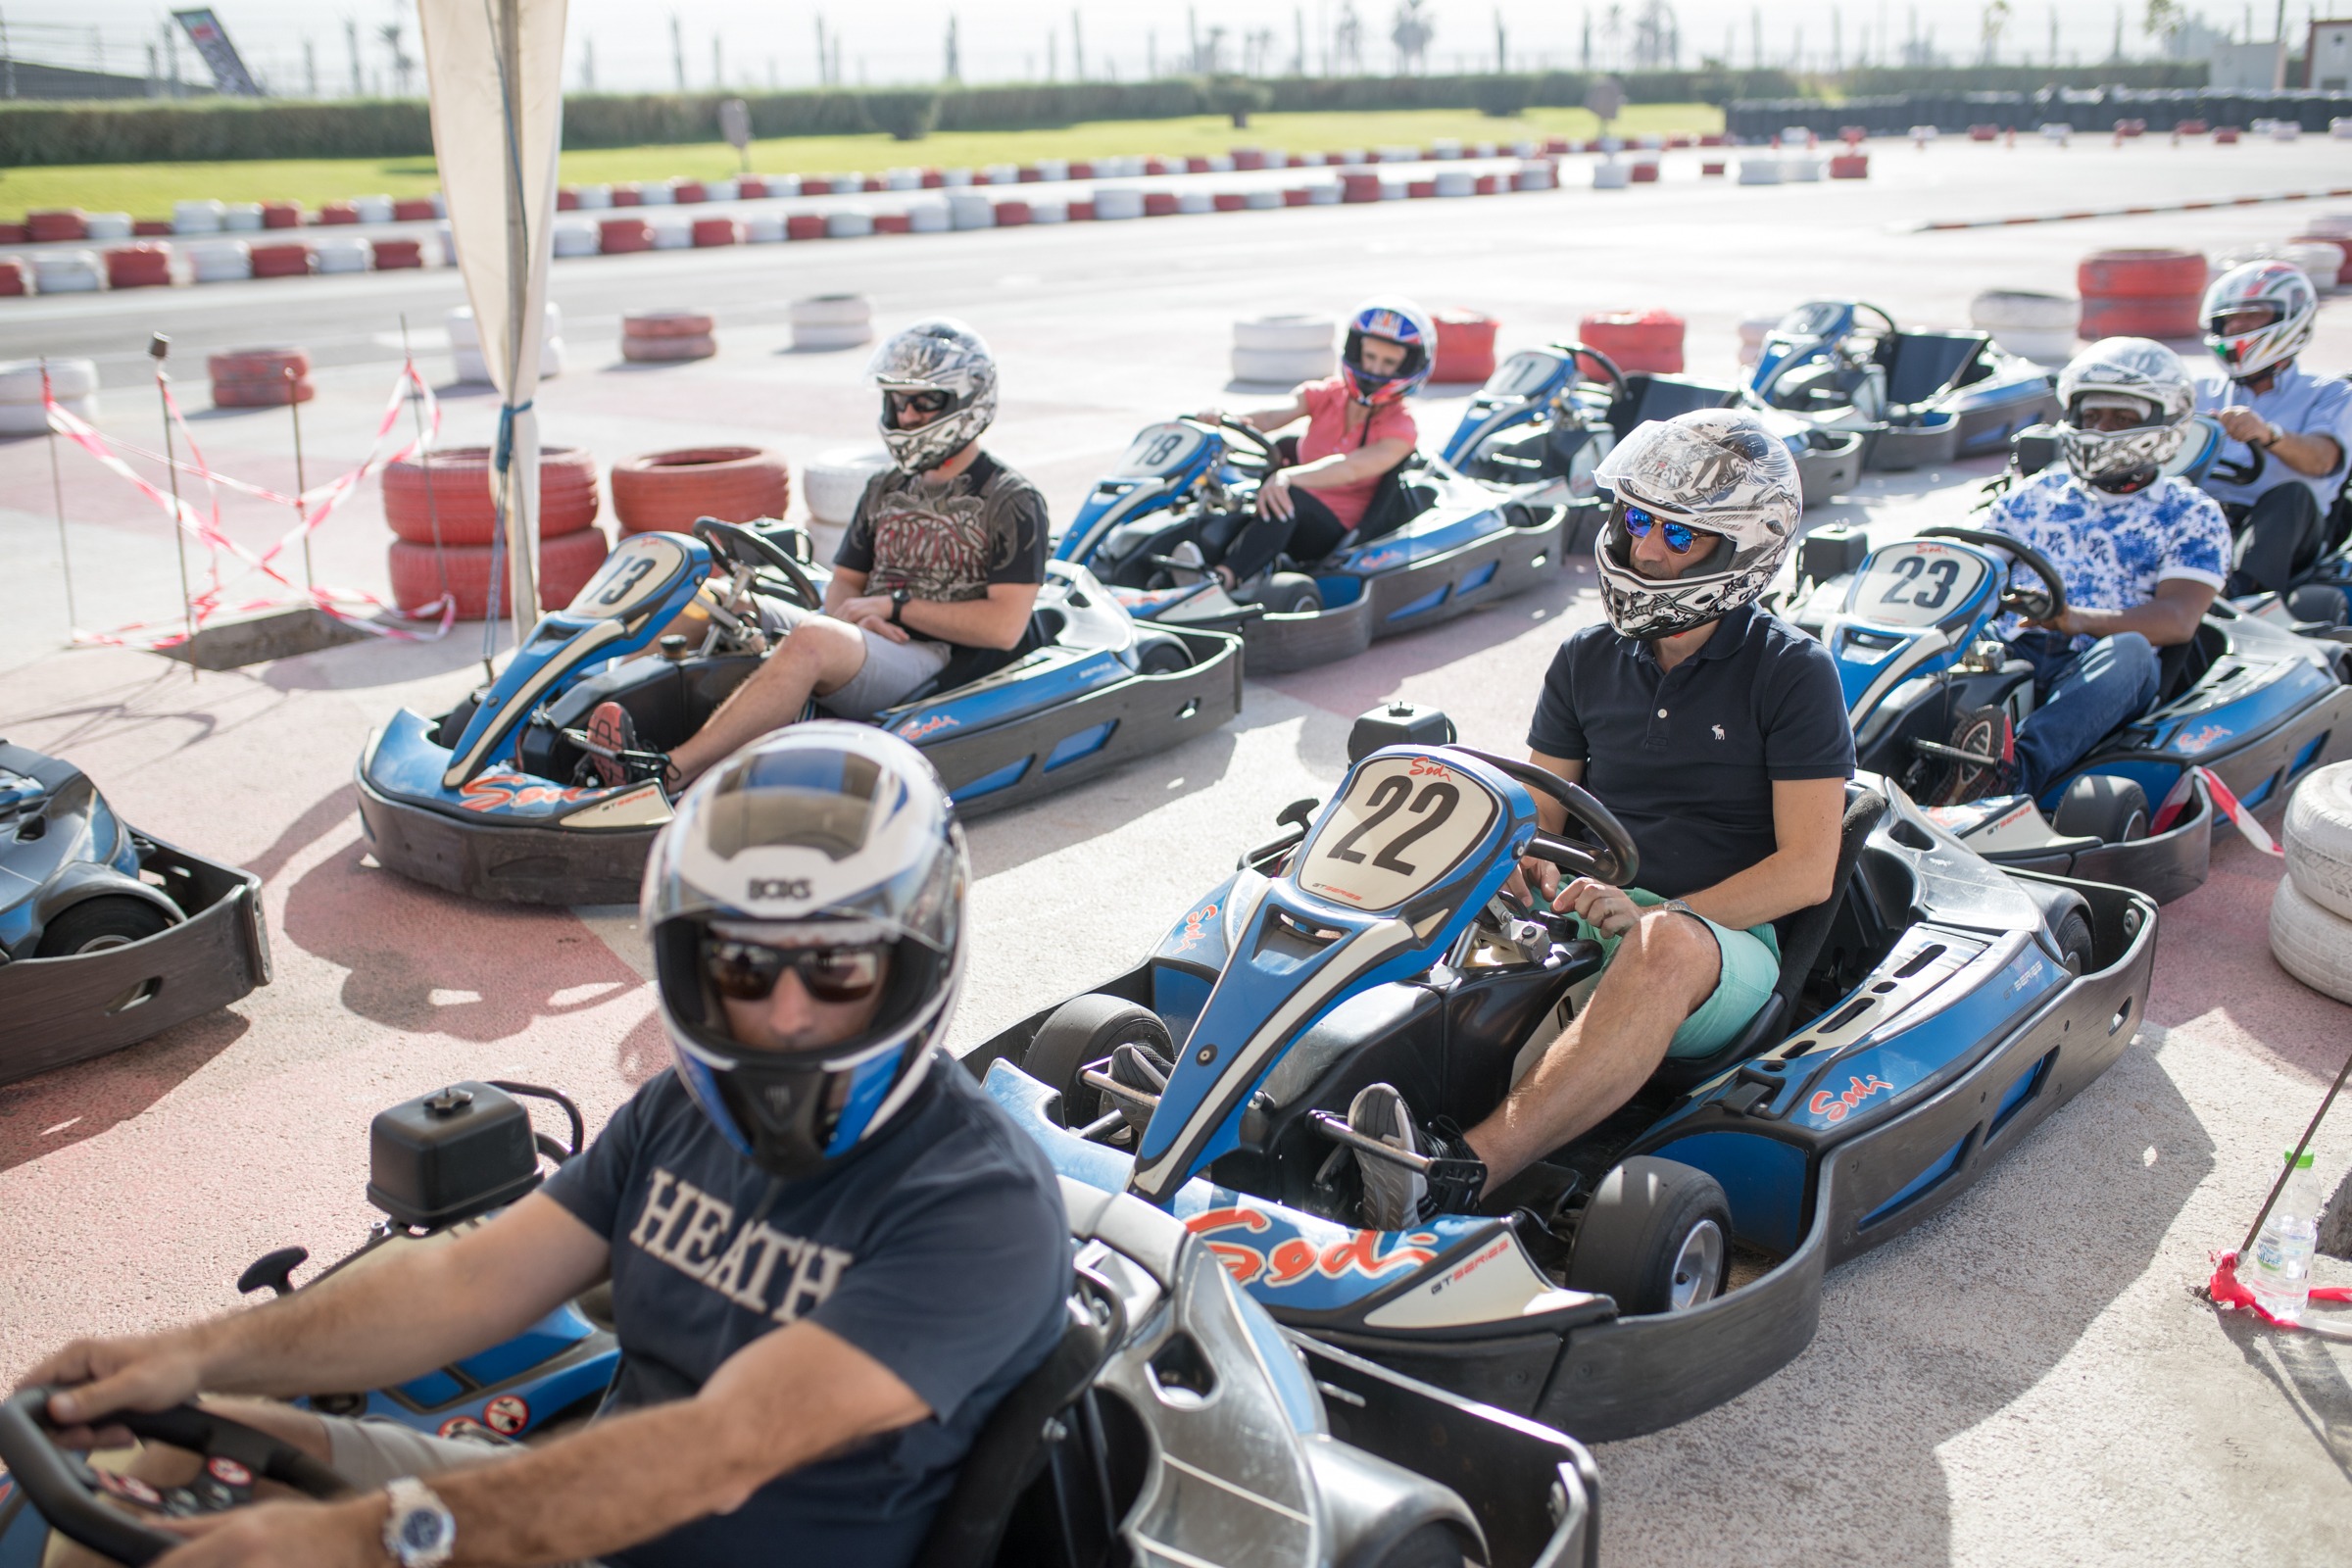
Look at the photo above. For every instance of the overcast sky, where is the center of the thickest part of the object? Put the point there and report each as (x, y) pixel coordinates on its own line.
(764, 41)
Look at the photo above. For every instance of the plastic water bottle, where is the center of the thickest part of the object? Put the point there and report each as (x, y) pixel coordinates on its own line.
(2279, 1271)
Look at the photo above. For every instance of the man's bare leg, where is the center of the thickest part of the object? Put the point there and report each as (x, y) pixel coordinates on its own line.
(1663, 972)
(818, 657)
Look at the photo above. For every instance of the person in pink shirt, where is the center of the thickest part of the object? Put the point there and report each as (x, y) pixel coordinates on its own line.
(1358, 431)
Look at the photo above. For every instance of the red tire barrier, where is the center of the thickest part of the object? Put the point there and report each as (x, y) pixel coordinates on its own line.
(665, 323)
(1012, 215)
(1712, 168)
(627, 194)
(566, 564)
(413, 209)
(1650, 341)
(1195, 166)
(139, 266)
(338, 213)
(2141, 293)
(1160, 204)
(395, 254)
(1160, 165)
(1850, 165)
(568, 199)
(263, 394)
(2224, 135)
(14, 234)
(710, 231)
(1641, 174)
(805, 225)
(151, 227)
(2344, 248)
(57, 223)
(1082, 212)
(1854, 135)
(12, 279)
(1247, 160)
(616, 235)
(1080, 169)
(811, 186)
(256, 364)
(1983, 132)
(2130, 127)
(282, 260)
(670, 490)
(686, 192)
(1491, 186)
(281, 214)
(1466, 346)
(2188, 128)
(751, 186)
(2139, 318)
(459, 479)
(1229, 201)
(875, 182)
(1420, 188)
(1359, 188)
(1298, 196)
(893, 224)
(667, 350)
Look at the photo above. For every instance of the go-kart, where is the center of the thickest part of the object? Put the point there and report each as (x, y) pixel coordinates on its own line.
(2245, 700)
(1175, 1423)
(107, 936)
(1927, 1017)
(1433, 546)
(1916, 397)
(1553, 413)
(494, 797)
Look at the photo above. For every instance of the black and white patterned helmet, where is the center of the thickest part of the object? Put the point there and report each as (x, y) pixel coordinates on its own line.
(940, 355)
(1718, 471)
(2135, 373)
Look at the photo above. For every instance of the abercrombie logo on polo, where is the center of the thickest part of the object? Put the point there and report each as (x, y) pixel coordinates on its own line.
(760, 1269)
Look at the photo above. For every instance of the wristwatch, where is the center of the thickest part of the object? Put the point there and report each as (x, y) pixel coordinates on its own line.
(2271, 437)
(898, 605)
(420, 1531)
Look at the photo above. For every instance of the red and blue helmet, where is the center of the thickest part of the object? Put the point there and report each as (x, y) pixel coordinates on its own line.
(1403, 322)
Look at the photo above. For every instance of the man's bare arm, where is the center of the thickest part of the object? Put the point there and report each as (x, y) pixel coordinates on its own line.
(996, 621)
(1341, 470)
(2171, 617)
(845, 586)
(1797, 874)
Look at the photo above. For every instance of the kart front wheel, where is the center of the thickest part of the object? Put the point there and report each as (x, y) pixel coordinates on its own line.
(1433, 1545)
(1655, 1237)
(1084, 1030)
(1291, 593)
(2104, 806)
(97, 924)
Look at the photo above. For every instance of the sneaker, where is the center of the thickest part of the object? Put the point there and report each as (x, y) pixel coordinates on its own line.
(611, 750)
(1144, 1070)
(1396, 1195)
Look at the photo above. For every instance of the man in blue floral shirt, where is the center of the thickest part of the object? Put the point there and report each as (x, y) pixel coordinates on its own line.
(2140, 554)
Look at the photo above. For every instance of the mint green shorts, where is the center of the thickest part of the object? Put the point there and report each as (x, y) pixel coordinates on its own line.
(1752, 967)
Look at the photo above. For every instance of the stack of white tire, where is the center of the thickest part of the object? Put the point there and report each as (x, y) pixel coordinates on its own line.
(106, 225)
(832, 486)
(344, 253)
(242, 218)
(67, 272)
(848, 222)
(2036, 326)
(760, 229)
(1753, 330)
(74, 381)
(1457, 182)
(576, 236)
(595, 198)
(1115, 202)
(465, 344)
(371, 209)
(197, 217)
(1283, 350)
(832, 322)
(222, 261)
(1610, 174)
(1759, 170)
(969, 209)
(929, 218)
(672, 231)
(2321, 264)
(2311, 914)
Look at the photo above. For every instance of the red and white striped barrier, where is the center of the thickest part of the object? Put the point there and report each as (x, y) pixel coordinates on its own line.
(2202, 205)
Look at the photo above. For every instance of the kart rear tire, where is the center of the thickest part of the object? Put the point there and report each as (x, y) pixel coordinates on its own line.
(1433, 1545)
(96, 924)
(2075, 945)
(2105, 807)
(1643, 1239)
(1086, 1029)
(1291, 593)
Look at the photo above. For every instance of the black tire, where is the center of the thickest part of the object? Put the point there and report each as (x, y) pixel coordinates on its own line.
(1087, 1029)
(1158, 653)
(96, 924)
(1433, 1545)
(2102, 805)
(1291, 593)
(2075, 949)
(1643, 1240)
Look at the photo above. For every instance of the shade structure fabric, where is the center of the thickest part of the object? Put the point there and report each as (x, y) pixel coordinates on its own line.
(494, 71)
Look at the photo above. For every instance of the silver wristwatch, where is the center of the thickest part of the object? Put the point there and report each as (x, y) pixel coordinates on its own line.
(420, 1531)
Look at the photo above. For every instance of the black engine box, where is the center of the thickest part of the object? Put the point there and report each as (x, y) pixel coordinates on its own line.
(2033, 449)
(451, 1154)
(1397, 723)
(1831, 552)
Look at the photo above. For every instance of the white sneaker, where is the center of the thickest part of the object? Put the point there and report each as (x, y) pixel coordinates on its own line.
(1392, 1193)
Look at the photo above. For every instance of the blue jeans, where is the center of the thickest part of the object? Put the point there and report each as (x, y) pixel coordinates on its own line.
(2083, 697)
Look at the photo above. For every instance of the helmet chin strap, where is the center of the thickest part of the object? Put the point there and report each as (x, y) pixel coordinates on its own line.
(2127, 483)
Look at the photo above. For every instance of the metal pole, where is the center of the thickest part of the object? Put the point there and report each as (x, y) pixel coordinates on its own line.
(57, 486)
(301, 484)
(159, 347)
(2285, 1176)
(425, 460)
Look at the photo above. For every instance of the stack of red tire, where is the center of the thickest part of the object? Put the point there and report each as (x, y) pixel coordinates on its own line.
(662, 337)
(1648, 342)
(62, 222)
(395, 254)
(1466, 346)
(138, 266)
(670, 490)
(282, 260)
(620, 234)
(1850, 165)
(449, 494)
(2141, 293)
(11, 278)
(260, 378)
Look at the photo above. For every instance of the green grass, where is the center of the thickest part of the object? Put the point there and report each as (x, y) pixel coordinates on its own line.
(148, 190)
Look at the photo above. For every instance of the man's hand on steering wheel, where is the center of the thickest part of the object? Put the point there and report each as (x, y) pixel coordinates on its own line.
(1607, 910)
(133, 1372)
(298, 1534)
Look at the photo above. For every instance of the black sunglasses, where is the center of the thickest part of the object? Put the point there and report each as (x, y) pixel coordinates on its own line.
(747, 971)
(1679, 536)
(931, 402)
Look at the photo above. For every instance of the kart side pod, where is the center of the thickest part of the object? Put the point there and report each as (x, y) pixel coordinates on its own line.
(451, 1154)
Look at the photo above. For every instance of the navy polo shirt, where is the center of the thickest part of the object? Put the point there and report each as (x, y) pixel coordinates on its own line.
(1686, 757)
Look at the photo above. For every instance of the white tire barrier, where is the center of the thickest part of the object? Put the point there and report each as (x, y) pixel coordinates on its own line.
(1286, 334)
(783, 184)
(1198, 201)
(1536, 175)
(242, 218)
(196, 218)
(1000, 175)
(2037, 326)
(902, 180)
(1922, 133)
(595, 198)
(763, 228)
(1052, 170)
(1113, 203)
(70, 379)
(2057, 131)
(1610, 174)
(345, 253)
(1800, 170)
(672, 231)
(721, 190)
(955, 178)
(2310, 943)
(2318, 837)
(1049, 211)
(224, 260)
(1457, 182)
(373, 209)
(971, 210)
(2341, 128)
(657, 193)
(1325, 193)
(31, 418)
(107, 226)
(832, 322)
(1752, 333)
(1280, 366)
(69, 271)
(2319, 263)
(834, 482)
(929, 218)
(1759, 170)
(848, 222)
(1400, 155)
(1444, 149)
(1262, 199)
(575, 236)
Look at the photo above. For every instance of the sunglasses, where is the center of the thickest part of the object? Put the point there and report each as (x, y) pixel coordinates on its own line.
(747, 971)
(1679, 536)
(928, 402)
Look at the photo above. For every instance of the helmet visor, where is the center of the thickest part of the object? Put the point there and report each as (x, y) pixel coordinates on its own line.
(2113, 410)
(2245, 318)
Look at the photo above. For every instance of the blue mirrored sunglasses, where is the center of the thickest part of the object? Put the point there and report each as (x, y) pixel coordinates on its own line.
(1679, 536)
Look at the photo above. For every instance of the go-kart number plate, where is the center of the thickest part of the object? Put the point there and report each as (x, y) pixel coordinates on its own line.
(1159, 449)
(1402, 827)
(641, 569)
(1916, 584)
(1522, 373)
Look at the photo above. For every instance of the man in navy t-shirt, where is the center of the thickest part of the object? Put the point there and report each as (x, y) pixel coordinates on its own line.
(831, 1255)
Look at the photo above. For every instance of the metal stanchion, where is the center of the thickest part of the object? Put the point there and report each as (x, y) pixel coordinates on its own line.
(57, 487)
(309, 580)
(159, 347)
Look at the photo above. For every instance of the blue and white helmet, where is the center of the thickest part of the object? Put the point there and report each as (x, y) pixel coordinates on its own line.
(823, 836)
(1403, 322)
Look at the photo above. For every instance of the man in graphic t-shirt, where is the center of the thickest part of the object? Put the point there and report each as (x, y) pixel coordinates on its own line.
(831, 1253)
(946, 553)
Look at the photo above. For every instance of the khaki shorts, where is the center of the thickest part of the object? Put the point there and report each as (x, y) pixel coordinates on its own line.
(371, 1452)
(893, 672)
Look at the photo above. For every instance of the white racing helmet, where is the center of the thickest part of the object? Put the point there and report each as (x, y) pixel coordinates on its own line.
(1717, 471)
(824, 847)
(940, 355)
(2282, 292)
(2135, 373)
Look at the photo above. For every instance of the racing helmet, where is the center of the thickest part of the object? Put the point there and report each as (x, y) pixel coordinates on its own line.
(1402, 323)
(2282, 293)
(939, 356)
(830, 849)
(1717, 471)
(2135, 373)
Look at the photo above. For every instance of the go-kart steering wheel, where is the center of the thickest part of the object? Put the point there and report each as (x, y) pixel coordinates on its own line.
(1614, 379)
(1614, 861)
(66, 1491)
(2032, 603)
(738, 545)
(1267, 457)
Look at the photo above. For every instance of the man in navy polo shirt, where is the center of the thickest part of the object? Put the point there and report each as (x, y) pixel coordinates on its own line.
(1717, 734)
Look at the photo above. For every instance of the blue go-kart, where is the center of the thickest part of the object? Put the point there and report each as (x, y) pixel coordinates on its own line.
(1915, 397)
(1175, 1423)
(1433, 546)
(494, 797)
(1927, 1018)
(1553, 413)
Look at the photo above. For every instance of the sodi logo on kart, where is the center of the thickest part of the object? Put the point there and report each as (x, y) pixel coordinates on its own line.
(778, 887)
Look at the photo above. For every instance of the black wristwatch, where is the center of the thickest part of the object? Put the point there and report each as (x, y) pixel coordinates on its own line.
(898, 605)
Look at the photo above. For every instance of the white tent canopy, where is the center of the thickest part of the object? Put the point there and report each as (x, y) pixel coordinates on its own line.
(494, 69)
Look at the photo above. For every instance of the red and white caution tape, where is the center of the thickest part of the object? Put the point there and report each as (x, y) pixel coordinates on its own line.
(2225, 800)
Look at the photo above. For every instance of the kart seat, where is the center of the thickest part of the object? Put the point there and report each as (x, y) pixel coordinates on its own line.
(2183, 664)
(1025, 1432)
(1801, 937)
(1403, 494)
(1923, 366)
(1663, 397)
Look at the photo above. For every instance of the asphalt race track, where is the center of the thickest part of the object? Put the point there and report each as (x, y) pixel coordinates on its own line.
(2030, 1377)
